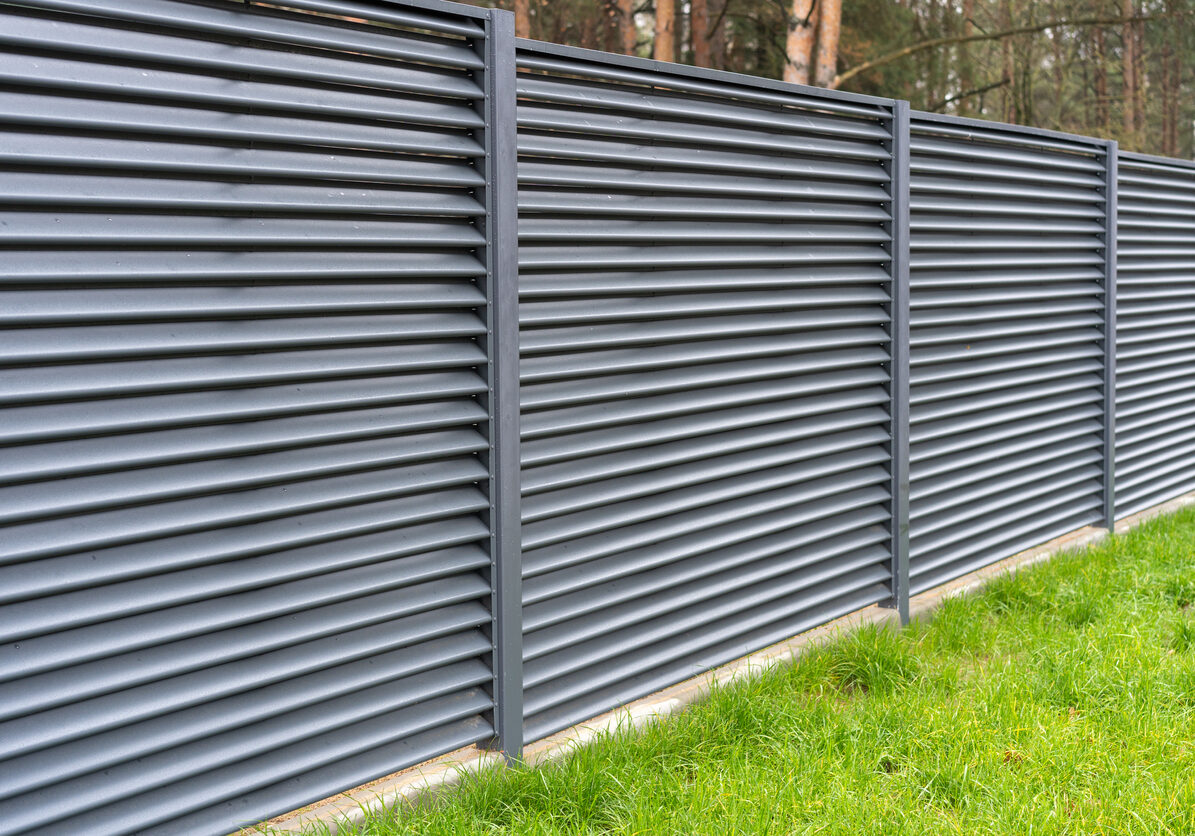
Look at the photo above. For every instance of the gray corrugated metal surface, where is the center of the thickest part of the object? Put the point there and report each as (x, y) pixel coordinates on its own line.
(704, 284)
(1155, 335)
(245, 553)
(1007, 317)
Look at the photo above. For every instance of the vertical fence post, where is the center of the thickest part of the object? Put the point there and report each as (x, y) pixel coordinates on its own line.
(899, 353)
(502, 267)
(1110, 220)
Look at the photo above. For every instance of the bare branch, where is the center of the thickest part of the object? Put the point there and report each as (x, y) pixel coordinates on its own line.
(934, 43)
(978, 91)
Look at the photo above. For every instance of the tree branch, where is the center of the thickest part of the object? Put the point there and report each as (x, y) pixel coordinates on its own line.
(978, 91)
(933, 43)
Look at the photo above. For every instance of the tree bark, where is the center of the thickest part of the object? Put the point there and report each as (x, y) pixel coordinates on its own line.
(1129, 71)
(1139, 74)
(717, 37)
(1102, 111)
(627, 35)
(664, 45)
(829, 27)
(802, 27)
(1009, 68)
(522, 18)
(966, 67)
(699, 25)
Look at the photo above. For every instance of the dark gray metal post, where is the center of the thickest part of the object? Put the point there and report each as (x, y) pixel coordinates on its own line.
(1110, 200)
(503, 296)
(899, 382)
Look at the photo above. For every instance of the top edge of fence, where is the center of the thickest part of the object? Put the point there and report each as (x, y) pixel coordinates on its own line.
(1157, 159)
(699, 73)
(1007, 127)
(443, 7)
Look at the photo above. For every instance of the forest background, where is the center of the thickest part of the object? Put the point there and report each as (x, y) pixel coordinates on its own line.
(1119, 69)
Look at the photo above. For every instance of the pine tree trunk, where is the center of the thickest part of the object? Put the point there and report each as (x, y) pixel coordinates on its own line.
(829, 27)
(1102, 111)
(966, 70)
(802, 27)
(717, 37)
(1010, 86)
(1139, 74)
(664, 45)
(522, 18)
(628, 36)
(1129, 70)
(699, 24)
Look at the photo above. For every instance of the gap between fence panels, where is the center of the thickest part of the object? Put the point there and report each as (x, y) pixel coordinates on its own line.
(426, 782)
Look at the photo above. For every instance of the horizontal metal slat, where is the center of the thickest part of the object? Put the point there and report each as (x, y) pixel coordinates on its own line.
(190, 760)
(122, 488)
(100, 191)
(835, 517)
(565, 393)
(173, 158)
(558, 146)
(724, 465)
(595, 416)
(1009, 153)
(592, 176)
(83, 77)
(621, 629)
(790, 619)
(623, 514)
(538, 228)
(155, 412)
(229, 50)
(614, 334)
(600, 201)
(867, 481)
(57, 459)
(140, 119)
(566, 449)
(205, 547)
(643, 456)
(549, 59)
(323, 662)
(654, 307)
(605, 257)
(673, 586)
(362, 750)
(80, 343)
(161, 733)
(539, 123)
(270, 26)
(741, 614)
(588, 94)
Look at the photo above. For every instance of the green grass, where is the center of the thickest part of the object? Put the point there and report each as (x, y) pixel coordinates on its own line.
(1061, 700)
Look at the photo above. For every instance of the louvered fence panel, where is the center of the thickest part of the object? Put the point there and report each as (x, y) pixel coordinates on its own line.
(1155, 332)
(704, 283)
(245, 556)
(1007, 326)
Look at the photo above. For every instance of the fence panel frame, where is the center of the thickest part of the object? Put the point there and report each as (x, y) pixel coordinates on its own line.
(501, 163)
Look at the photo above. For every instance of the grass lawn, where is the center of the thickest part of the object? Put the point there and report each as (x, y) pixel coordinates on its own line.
(1058, 701)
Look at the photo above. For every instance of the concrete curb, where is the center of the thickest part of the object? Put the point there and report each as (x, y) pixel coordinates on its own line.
(420, 784)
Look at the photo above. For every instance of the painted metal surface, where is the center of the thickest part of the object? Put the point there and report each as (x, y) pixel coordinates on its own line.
(1155, 332)
(705, 280)
(375, 384)
(246, 405)
(1006, 342)
(1007, 348)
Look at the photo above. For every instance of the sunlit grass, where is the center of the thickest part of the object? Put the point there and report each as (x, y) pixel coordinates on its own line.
(1061, 700)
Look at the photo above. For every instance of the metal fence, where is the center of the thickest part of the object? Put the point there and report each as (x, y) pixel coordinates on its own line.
(334, 440)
